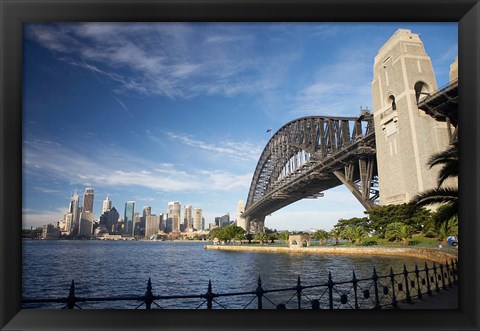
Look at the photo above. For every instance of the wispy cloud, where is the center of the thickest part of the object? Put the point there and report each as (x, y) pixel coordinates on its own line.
(233, 149)
(43, 158)
(158, 59)
(41, 217)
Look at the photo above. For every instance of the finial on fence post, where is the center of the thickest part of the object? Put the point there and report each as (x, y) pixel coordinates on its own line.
(209, 295)
(330, 290)
(355, 289)
(259, 291)
(149, 295)
(299, 293)
(407, 289)
(71, 296)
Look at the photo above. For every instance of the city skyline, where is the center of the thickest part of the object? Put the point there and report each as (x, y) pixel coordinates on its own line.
(181, 112)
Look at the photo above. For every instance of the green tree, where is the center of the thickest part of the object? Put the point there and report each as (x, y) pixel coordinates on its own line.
(409, 214)
(261, 236)
(348, 234)
(358, 234)
(284, 236)
(398, 231)
(336, 234)
(321, 235)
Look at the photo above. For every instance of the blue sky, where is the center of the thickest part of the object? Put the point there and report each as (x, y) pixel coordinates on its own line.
(159, 112)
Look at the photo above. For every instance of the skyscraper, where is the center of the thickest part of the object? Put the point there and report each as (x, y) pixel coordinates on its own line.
(188, 217)
(74, 209)
(197, 219)
(85, 228)
(107, 205)
(152, 225)
(128, 218)
(174, 215)
(88, 200)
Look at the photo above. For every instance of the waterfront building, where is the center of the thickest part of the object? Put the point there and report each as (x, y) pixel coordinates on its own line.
(50, 232)
(88, 200)
(152, 225)
(163, 222)
(68, 219)
(128, 218)
(85, 228)
(139, 230)
(174, 214)
(147, 210)
(197, 219)
(74, 209)
(110, 220)
(107, 205)
(188, 218)
(222, 221)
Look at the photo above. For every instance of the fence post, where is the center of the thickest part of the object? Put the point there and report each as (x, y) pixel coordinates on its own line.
(429, 290)
(375, 283)
(299, 293)
(330, 290)
(209, 295)
(407, 289)
(392, 281)
(71, 296)
(449, 273)
(259, 292)
(149, 295)
(419, 286)
(354, 282)
(444, 286)
(455, 271)
(436, 277)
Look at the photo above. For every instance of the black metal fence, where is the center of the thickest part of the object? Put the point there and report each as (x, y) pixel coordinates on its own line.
(376, 292)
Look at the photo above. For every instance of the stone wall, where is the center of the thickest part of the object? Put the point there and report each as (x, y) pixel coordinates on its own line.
(436, 255)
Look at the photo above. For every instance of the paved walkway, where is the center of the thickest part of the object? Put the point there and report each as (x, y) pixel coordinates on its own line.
(445, 299)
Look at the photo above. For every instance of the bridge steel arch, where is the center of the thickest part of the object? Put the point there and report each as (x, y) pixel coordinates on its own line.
(308, 156)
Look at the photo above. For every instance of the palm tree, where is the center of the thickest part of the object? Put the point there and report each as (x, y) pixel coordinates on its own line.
(448, 159)
(336, 234)
(398, 231)
(358, 234)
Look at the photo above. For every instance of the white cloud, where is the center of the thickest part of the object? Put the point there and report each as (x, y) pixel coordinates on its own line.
(233, 149)
(42, 158)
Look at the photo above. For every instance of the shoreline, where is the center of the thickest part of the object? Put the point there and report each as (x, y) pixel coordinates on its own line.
(434, 255)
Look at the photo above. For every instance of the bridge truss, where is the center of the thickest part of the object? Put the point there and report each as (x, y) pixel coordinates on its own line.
(310, 155)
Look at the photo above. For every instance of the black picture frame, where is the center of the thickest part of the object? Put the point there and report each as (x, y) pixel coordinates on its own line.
(16, 12)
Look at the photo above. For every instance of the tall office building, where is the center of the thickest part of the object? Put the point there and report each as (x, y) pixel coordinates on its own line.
(74, 209)
(152, 225)
(109, 220)
(85, 225)
(188, 217)
(174, 215)
(88, 200)
(107, 205)
(197, 219)
(129, 218)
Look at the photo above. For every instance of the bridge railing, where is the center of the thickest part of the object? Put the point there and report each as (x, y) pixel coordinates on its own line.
(375, 292)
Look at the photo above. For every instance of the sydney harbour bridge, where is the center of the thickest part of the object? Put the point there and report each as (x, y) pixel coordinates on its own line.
(310, 155)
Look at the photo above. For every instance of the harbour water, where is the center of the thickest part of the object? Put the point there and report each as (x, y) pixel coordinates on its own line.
(116, 268)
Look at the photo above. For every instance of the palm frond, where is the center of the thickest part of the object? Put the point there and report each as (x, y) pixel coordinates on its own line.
(448, 195)
(449, 170)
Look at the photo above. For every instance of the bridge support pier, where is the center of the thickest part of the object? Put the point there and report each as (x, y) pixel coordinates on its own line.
(255, 225)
